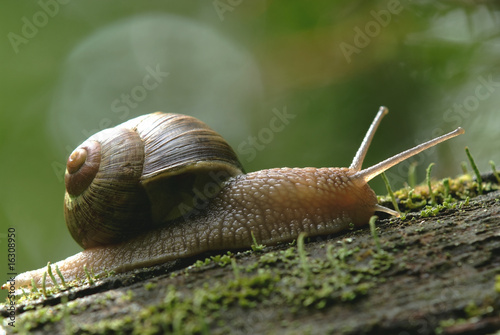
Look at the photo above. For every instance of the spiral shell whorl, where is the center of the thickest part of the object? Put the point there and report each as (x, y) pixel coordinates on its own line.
(113, 194)
(83, 165)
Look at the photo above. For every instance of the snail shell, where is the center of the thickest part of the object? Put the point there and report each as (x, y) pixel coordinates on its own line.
(142, 174)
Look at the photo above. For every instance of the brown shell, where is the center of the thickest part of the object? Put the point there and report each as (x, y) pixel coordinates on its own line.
(151, 169)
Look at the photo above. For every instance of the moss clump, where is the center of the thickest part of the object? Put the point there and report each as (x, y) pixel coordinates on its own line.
(473, 313)
(447, 193)
(34, 294)
(221, 260)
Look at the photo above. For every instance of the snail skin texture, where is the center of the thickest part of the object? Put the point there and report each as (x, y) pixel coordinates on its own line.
(177, 190)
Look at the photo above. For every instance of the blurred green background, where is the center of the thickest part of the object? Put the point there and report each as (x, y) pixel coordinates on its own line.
(71, 68)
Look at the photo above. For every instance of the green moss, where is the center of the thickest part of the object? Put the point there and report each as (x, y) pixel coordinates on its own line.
(473, 313)
(269, 258)
(431, 197)
(221, 260)
(476, 171)
(39, 316)
(449, 323)
(472, 310)
(200, 263)
(33, 319)
(149, 286)
(390, 192)
(256, 246)
(129, 296)
(34, 294)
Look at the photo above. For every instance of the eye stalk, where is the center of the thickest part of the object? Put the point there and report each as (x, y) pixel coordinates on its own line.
(82, 167)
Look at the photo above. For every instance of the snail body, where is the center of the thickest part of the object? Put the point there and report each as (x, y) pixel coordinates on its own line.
(218, 206)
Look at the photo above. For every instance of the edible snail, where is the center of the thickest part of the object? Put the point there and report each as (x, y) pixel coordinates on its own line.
(165, 186)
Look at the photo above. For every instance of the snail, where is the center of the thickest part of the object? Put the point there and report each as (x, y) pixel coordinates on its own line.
(165, 186)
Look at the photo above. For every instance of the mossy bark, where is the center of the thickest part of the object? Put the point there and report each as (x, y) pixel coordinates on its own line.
(434, 275)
